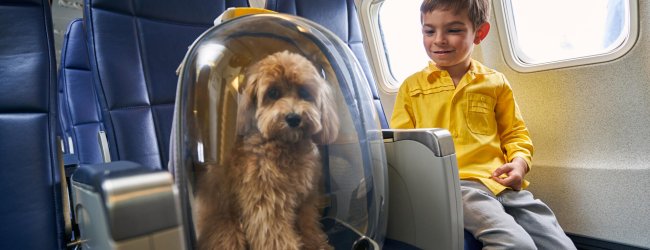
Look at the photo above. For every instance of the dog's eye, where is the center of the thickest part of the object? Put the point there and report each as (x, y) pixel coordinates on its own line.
(304, 94)
(273, 93)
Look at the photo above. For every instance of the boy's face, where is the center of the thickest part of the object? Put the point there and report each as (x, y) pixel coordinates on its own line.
(449, 38)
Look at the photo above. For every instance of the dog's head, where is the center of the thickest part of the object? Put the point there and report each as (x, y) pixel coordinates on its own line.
(285, 98)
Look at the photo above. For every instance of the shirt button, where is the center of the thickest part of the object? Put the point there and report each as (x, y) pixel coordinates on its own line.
(482, 98)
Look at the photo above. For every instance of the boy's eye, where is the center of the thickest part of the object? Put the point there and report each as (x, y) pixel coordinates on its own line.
(304, 94)
(454, 30)
(428, 32)
(273, 93)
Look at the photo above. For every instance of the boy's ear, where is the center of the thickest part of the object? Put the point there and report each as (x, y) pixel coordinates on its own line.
(481, 32)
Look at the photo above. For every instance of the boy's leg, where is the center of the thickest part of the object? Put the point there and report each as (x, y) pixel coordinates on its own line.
(537, 219)
(487, 220)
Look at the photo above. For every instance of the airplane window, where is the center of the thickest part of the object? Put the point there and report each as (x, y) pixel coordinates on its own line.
(558, 33)
(579, 28)
(399, 22)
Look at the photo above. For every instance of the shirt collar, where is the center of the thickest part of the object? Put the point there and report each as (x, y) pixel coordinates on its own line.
(476, 70)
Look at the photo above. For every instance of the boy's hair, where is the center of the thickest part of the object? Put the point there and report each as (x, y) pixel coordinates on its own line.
(477, 10)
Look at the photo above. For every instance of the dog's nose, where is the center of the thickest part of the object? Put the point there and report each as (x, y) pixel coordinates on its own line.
(293, 120)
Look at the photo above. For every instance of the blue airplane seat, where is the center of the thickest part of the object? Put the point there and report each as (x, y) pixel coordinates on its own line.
(135, 48)
(471, 243)
(79, 111)
(340, 16)
(31, 211)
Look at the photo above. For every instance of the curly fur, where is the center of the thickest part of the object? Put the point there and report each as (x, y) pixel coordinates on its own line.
(267, 197)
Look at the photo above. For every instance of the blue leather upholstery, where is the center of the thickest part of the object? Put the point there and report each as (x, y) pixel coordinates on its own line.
(79, 110)
(30, 207)
(471, 243)
(135, 48)
(340, 17)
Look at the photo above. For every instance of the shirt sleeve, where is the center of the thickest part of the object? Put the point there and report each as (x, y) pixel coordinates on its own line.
(515, 139)
(403, 110)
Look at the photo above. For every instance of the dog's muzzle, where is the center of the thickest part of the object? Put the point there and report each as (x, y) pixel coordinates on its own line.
(292, 119)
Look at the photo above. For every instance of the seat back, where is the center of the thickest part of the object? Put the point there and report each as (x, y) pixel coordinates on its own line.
(30, 207)
(134, 50)
(340, 17)
(79, 110)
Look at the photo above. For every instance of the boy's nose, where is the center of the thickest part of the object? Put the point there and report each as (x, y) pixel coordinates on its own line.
(440, 39)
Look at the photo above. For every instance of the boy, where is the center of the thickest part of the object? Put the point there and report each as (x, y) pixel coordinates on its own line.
(477, 106)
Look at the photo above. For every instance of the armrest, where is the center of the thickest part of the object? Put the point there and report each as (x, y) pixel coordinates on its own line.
(438, 140)
(425, 206)
(123, 205)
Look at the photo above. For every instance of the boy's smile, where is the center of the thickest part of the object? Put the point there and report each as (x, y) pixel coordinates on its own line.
(442, 54)
(443, 51)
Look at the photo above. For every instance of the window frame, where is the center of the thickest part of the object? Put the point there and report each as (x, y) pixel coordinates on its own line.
(504, 21)
(368, 12)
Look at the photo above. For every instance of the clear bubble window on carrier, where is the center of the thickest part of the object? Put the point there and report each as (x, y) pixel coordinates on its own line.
(276, 138)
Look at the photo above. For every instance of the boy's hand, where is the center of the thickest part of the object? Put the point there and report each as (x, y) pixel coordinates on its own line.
(514, 171)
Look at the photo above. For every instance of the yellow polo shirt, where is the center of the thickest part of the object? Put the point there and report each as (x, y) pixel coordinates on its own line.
(480, 113)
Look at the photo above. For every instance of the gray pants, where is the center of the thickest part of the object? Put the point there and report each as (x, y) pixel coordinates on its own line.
(511, 220)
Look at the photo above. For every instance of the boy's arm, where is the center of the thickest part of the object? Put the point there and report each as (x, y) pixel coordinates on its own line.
(403, 110)
(515, 140)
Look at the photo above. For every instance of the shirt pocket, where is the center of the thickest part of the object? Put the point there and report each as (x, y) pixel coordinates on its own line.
(480, 114)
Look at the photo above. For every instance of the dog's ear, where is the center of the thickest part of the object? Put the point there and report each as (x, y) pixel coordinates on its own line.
(247, 103)
(329, 118)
